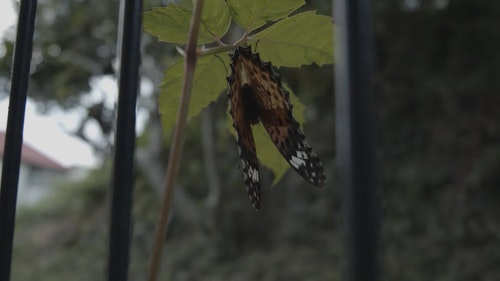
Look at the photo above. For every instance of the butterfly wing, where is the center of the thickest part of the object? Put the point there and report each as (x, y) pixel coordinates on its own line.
(246, 144)
(275, 113)
(286, 134)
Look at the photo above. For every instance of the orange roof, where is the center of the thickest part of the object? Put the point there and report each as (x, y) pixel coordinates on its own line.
(32, 157)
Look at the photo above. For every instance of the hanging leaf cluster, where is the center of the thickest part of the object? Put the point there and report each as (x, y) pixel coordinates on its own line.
(268, 26)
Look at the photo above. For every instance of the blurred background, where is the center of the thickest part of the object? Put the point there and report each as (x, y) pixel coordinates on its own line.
(438, 156)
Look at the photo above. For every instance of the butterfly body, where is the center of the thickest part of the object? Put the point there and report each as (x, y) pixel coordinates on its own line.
(257, 95)
(250, 106)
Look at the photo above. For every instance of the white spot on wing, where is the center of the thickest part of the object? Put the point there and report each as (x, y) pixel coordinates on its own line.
(254, 174)
(302, 155)
(297, 162)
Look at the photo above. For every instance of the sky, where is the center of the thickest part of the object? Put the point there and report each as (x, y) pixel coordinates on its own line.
(48, 134)
(7, 15)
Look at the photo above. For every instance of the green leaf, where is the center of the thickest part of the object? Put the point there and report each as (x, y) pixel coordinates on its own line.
(216, 18)
(209, 81)
(302, 39)
(267, 153)
(252, 14)
(171, 23)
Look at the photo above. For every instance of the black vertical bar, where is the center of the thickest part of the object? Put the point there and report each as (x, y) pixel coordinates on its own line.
(14, 133)
(355, 140)
(121, 204)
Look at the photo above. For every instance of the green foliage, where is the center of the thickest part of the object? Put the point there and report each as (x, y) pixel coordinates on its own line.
(251, 15)
(302, 39)
(207, 86)
(171, 23)
(70, 46)
(296, 41)
(215, 18)
(67, 226)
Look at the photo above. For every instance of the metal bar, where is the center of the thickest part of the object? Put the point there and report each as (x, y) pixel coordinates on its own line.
(14, 133)
(355, 139)
(121, 205)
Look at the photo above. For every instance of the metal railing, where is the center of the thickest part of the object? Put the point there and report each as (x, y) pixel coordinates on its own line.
(14, 132)
(355, 141)
(354, 134)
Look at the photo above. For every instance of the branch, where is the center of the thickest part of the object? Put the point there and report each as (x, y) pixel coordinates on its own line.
(207, 140)
(150, 164)
(148, 158)
(176, 149)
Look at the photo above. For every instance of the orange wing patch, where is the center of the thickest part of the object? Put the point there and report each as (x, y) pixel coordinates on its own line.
(256, 94)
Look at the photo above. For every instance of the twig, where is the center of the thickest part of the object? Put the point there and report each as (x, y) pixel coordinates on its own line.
(207, 140)
(216, 50)
(177, 142)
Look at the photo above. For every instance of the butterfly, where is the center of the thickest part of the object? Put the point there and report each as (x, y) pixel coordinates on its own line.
(257, 95)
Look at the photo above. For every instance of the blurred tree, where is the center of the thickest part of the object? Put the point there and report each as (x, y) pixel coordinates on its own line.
(75, 44)
(438, 144)
(437, 99)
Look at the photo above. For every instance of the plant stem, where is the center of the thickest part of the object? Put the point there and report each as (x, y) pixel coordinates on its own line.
(216, 50)
(177, 142)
